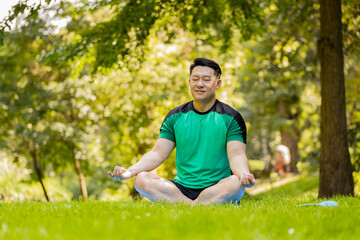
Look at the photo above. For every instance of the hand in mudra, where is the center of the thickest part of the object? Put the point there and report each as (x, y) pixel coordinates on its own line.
(120, 174)
(247, 180)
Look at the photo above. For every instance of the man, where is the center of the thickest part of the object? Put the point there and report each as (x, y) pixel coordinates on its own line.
(283, 159)
(210, 141)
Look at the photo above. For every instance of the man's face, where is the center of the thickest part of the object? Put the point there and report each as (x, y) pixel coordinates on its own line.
(203, 83)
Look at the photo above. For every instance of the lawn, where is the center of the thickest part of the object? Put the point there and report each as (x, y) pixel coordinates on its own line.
(271, 215)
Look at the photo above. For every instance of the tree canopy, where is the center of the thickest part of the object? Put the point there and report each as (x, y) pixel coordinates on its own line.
(76, 100)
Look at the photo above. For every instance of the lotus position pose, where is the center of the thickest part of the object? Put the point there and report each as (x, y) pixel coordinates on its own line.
(210, 141)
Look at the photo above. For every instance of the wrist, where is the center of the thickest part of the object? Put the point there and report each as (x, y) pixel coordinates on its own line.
(131, 170)
(243, 173)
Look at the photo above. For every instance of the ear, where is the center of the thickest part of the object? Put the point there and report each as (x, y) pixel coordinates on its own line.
(218, 83)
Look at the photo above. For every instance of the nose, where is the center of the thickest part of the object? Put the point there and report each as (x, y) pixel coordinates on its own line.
(200, 84)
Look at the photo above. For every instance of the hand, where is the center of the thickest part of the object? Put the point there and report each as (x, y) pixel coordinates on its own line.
(120, 174)
(247, 180)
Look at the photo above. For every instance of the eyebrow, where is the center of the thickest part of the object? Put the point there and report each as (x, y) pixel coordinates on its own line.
(199, 76)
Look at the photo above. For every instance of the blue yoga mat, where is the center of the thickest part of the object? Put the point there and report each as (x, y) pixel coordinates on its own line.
(323, 204)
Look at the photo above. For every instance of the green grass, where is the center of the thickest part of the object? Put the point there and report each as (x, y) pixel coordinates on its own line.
(305, 188)
(271, 215)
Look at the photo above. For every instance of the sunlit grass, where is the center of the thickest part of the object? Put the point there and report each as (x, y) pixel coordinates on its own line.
(305, 187)
(260, 217)
(270, 215)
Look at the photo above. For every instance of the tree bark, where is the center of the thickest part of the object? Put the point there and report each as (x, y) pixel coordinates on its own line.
(80, 174)
(265, 151)
(38, 171)
(289, 137)
(335, 166)
(288, 140)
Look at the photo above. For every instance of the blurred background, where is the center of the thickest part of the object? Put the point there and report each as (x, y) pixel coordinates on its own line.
(85, 86)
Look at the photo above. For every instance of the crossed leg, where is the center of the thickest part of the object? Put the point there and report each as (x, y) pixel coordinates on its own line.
(157, 188)
(227, 190)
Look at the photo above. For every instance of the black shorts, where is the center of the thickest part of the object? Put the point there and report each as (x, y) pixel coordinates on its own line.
(189, 192)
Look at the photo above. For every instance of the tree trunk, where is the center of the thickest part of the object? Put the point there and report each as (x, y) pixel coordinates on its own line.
(288, 140)
(37, 167)
(80, 175)
(289, 137)
(265, 151)
(335, 166)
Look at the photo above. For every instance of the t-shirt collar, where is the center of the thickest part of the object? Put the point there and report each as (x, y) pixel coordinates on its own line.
(213, 108)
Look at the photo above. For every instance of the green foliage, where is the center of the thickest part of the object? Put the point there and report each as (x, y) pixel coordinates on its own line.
(125, 31)
(98, 89)
(351, 21)
(279, 77)
(356, 176)
(16, 184)
(256, 165)
(352, 83)
(41, 122)
(23, 98)
(11, 174)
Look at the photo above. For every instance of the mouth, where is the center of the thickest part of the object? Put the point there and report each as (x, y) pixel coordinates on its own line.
(199, 91)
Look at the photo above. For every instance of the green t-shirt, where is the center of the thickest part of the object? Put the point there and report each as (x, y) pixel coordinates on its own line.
(200, 138)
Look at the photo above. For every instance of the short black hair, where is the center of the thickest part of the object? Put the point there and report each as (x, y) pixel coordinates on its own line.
(206, 63)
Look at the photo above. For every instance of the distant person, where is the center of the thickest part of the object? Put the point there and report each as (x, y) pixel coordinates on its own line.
(282, 158)
(210, 141)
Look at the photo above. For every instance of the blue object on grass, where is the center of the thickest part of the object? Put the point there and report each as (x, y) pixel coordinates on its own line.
(323, 204)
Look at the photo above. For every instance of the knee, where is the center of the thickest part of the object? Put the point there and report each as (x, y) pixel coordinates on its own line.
(233, 183)
(235, 191)
(142, 180)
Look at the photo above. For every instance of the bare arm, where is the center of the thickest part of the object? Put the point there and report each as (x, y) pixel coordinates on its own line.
(151, 160)
(154, 158)
(239, 163)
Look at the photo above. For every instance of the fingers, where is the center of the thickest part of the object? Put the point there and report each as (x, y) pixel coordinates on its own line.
(116, 171)
(119, 173)
(252, 180)
(123, 172)
(113, 176)
(247, 180)
(244, 179)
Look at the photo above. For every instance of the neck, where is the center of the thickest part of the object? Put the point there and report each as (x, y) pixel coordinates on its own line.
(204, 106)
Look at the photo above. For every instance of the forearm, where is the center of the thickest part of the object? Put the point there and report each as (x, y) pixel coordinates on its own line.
(239, 165)
(148, 162)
